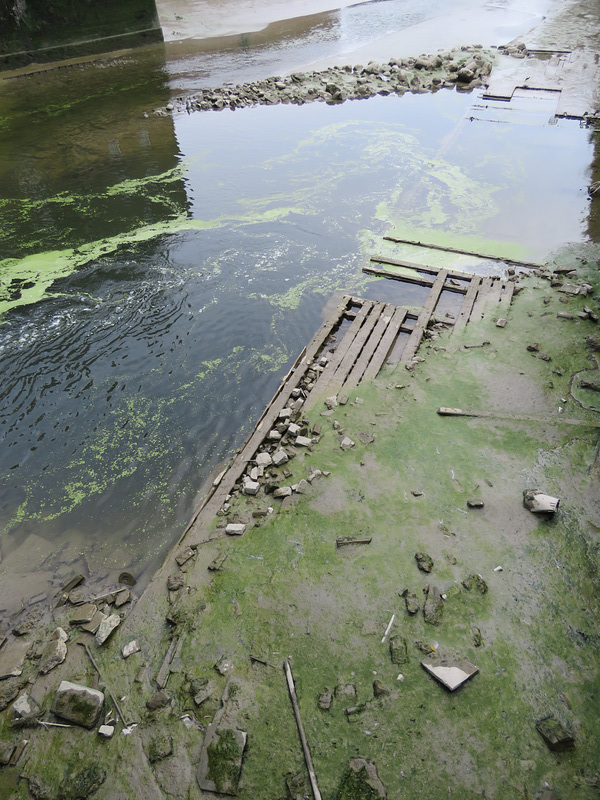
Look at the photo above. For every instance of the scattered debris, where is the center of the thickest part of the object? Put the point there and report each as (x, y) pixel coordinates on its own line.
(346, 443)
(24, 708)
(106, 731)
(449, 672)
(164, 671)
(497, 569)
(325, 700)
(556, 736)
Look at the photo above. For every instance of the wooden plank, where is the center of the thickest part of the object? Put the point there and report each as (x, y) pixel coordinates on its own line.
(342, 348)
(495, 293)
(384, 346)
(507, 295)
(416, 336)
(467, 306)
(353, 352)
(487, 256)
(479, 305)
(369, 349)
(400, 262)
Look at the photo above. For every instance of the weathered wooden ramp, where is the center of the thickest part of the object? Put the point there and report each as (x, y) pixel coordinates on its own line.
(351, 346)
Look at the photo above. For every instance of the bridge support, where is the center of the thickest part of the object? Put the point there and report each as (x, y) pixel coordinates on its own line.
(39, 31)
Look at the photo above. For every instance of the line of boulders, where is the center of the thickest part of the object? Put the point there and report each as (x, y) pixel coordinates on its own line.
(465, 68)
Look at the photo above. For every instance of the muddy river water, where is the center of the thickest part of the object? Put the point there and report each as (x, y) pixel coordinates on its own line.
(158, 275)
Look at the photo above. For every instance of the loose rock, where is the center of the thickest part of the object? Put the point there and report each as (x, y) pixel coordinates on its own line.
(434, 605)
(106, 627)
(424, 562)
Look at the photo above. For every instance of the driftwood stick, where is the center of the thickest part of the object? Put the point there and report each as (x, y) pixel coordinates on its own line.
(307, 758)
(342, 541)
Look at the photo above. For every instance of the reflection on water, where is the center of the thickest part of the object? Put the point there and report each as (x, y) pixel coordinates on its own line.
(178, 267)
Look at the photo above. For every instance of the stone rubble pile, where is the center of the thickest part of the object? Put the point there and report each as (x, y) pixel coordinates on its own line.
(464, 67)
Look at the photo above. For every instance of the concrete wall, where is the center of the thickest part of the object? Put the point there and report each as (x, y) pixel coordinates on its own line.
(46, 30)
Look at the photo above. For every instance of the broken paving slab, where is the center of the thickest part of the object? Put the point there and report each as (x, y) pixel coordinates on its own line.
(106, 627)
(451, 673)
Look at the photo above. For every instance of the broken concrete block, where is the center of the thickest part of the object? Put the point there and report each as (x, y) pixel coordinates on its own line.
(106, 731)
(54, 654)
(501, 323)
(280, 457)
(302, 487)
(106, 627)
(424, 562)
(24, 708)
(283, 491)
(540, 503)
(303, 441)
(251, 487)
(346, 443)
(556, 736)
(79, 704)
(94, 624)
(331, 402)
(130, 649)
(235, 529)
(451, 673)
(263, 460)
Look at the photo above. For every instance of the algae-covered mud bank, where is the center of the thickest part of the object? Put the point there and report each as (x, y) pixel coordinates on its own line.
(410, 546)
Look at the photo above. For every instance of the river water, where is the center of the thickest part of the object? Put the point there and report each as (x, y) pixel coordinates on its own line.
(158, 275)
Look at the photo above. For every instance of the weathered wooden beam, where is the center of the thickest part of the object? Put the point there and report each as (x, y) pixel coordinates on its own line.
(467, 306)
(448, 249)
(416, 336)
